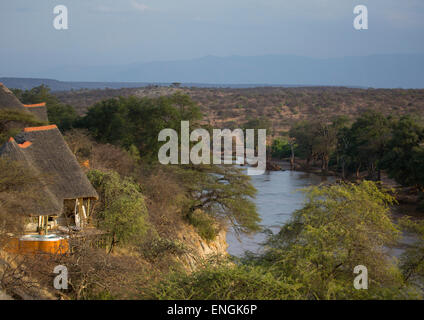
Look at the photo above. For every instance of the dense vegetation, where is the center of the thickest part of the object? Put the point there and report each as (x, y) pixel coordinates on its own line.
(144, 206)
(371, 143)
(314, 255)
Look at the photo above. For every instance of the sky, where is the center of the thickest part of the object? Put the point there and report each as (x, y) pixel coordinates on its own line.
(119, 32)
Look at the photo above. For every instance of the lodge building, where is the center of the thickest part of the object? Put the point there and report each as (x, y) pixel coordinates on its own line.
(63, 201)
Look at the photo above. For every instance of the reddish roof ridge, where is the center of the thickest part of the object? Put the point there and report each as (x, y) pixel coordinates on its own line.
(11, 139)
(41, 104)
(42, 128)
(24, 145)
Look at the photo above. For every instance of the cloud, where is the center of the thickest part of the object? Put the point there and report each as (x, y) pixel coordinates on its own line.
(139, 6)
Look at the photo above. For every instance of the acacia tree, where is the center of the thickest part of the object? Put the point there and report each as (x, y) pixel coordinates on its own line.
(122, 211)
(222, 192)
(314, 254)
(339, 227)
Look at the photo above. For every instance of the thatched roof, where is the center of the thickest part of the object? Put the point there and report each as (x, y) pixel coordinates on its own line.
(42, 201)
(39, 110)
(45, 150)
(9, 101)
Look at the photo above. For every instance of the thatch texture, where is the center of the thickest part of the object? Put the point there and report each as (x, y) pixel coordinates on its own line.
(46, 152)
(9, 101)
(39, 110)
(41, 201)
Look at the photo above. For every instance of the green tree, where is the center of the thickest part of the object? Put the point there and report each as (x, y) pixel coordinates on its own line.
(339, 227)
(223, 192)
(281, 148)
(304, 136)
(134, 121)
(122, 212)
(314, 255)
(404, 159)
(365, 143)
(316, 139)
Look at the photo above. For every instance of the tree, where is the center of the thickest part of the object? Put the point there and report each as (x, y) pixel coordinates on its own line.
(404, 159)
(316, 139)
(281, 148)
(339, 227)
(313, 256)
(223, 192)
(122, 212)
(134, 121)
(64, 116)
(303, 135)
(364, 144)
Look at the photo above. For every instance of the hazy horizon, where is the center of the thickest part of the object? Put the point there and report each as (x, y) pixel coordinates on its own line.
(113, 35)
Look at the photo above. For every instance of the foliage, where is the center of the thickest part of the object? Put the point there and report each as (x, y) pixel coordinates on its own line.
(220, 191)
(226, 282)
(223, 192)
(64, 116)
(204, 224)
(412, 260)
(133, 121)
(404, 159)
(122, 211)
(159, 246)
(280, 148)
(338, 228)
(316, 139)
(368, 138)
(313, 256)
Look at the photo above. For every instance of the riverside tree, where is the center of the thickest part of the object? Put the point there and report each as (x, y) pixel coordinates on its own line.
(314, 255)
(404, 159)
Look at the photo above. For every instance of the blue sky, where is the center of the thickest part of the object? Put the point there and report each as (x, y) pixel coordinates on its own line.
(126, 31)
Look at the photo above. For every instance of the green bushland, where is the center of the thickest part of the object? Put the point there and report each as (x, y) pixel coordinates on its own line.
(314, 255)
(372, 143)
(122, 212)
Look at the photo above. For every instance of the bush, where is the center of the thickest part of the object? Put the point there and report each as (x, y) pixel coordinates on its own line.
(280, 148)
(122, 212)
(205, 225)
(226, 282)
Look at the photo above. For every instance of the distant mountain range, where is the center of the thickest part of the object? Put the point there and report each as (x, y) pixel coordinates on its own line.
(378, 71)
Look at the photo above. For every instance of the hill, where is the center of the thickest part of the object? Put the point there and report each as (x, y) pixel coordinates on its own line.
(282, 106)
(378, 71)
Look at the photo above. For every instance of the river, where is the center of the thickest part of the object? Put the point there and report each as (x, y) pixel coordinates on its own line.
(277, 198)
